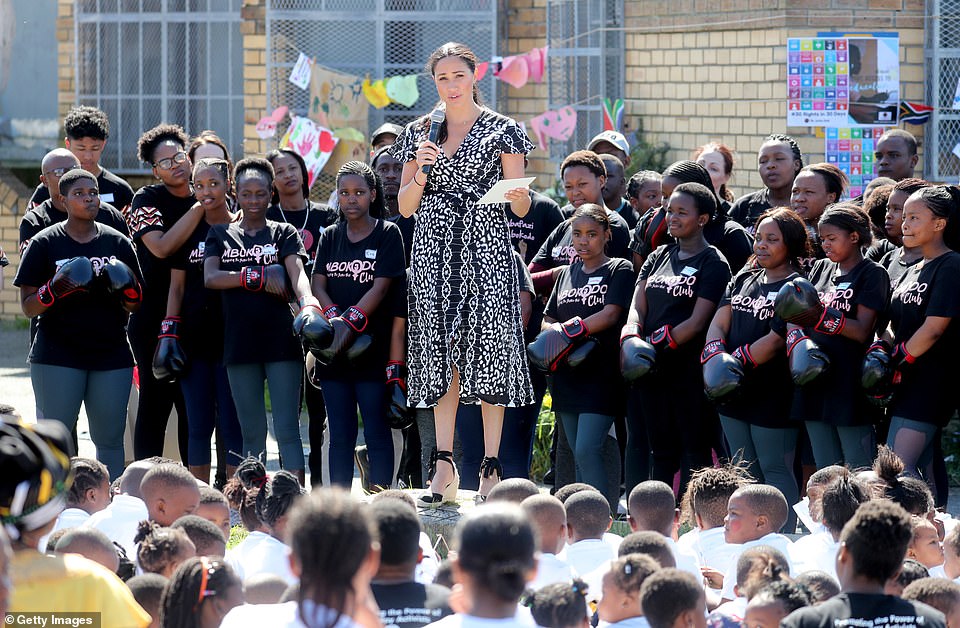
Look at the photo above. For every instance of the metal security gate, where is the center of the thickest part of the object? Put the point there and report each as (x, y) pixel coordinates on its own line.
(150, 61)
(585, 63)
(943, 72)
(379, 38)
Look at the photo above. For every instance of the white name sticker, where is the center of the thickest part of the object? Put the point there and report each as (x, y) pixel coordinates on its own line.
(269, 249)
(843, 286)
(107, 198)
(771, 296)
(370, 253)
(689, 271)
(594, 281)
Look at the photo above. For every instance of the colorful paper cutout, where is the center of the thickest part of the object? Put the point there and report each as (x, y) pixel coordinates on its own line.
(514, 71)
(536, 63)
(403, 90)
(558, 125)
(267, 126)
(376, 93)
(337, 100)
(312, 142)
(300, 75)
(481, 70)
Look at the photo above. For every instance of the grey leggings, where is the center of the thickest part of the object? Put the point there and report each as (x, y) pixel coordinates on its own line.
(60, 390)
(770, 451)
(246, 387)
(853, 445)
(913, 441)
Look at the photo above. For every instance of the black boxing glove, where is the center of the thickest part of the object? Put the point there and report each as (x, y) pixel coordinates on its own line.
(399, 415)
(551, 347)
(807, 361)
(662, 339)
(344, 338)
(798, 302)
(637, 356)
(576, 357)
(169, 361)
(252, 278)
(74, 275)
(276, 283)
(119, 279)
(712, 348)
(722, 374)
(314, 331)
(877, 374)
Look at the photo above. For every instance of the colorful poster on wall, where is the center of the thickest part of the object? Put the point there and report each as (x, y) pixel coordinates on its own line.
(312, 142)
(843, 80)
(337, 100)
(851, 150)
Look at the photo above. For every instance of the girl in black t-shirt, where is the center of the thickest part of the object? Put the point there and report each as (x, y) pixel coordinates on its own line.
(594, 293)
(676, 295)
(356, 262)
(898, 260)
(854, 292)
(778, 161)
(258, 263)
(81, 280)
(923, 332)
(292, 204)
(815, 188)
(194, 322)
(756, 419)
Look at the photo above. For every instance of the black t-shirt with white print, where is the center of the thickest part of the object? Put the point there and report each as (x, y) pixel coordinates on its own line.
(893, 263)
(865, 610)
(310, 224)
(407, 225)
(837, 398)
(766, 391)
(749, 207)
(528, 234)
(113, 190)
(45, 214)
(596, 385)
(557, 249)
(257, 327)
(931, 288)
(86, 330)
(350, 269)
(153, 208)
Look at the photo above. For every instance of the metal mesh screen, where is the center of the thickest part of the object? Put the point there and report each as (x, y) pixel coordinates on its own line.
(585, 63)
(943, 74)
(379, 38)
(150, 61)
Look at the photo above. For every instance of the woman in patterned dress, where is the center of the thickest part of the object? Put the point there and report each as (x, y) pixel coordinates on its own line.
(464, 327)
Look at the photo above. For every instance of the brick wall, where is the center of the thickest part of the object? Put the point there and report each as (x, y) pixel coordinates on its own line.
(13, 199)
(715, 69)
(254, 31)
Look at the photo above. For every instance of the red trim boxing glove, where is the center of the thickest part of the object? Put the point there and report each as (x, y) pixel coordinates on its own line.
(831, 322)
(399, 414)
(331, 312)
(807, 360)
(74, 275)
(631, 330)
(356, 318)
(169, 360)
(798, 302)
(877, 375)
(712, 348)
(575, 329)
(252, 278)
(313, 330)
(662, 339)
(901, 360)
(743, 355)
(120, 280)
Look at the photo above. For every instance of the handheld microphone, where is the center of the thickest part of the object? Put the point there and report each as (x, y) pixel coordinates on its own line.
(436, 119)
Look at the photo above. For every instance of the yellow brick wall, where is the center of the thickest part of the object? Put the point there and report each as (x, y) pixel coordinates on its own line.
(13, 199)
(719, 73)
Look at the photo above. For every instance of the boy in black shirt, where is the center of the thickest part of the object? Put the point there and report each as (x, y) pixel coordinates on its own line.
(87, 130)
(872, 546)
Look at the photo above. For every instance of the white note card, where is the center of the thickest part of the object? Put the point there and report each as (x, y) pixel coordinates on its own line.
(501, 187)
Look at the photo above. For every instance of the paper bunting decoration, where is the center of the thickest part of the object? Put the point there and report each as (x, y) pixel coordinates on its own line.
(267, 126)
(403, 90)
(558, 125)
(536, 63)
(312, 142)
(514, 71)
(376, 93)
(300, 75)
(481, 70)
(612, 114)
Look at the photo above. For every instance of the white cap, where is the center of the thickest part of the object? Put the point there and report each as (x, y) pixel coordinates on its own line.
(612, 137)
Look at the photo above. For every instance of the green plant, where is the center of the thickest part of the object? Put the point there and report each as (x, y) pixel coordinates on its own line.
(645, 155)
(542, 440)
(951, 451)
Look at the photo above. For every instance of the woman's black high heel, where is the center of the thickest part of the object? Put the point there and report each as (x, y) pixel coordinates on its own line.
(488, 466)
(449, 492)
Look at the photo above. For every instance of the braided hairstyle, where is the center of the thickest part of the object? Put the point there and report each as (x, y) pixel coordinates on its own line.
(364, 171)
(686, 171)
(943, 201)
(244, 501)
(792, 143)
(160, 547)
(558, 605)
(181, 599)
(275, 495)
(87, 474)
(640, 179)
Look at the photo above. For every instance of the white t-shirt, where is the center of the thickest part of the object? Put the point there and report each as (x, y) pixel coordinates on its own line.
(551, 569)
(284, 615)
(629, 622)
(119, 521)
(814, 552)
(773, 539)
(521, 618)
(427, 568)
(260, 553)
(586, 555)
(69, 518)
(685, 559)
(710, 547)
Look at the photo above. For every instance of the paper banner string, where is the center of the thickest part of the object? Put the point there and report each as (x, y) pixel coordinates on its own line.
(300, 75)
(312, 142)
(612, 114)
(536, 63)
(557, 125)
(267, 126)
(514, 71)
(403, 90)
(376, 93)
(481, 70)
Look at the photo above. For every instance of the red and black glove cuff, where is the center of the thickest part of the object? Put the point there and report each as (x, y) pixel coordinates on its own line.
(880, 345)
(631, 330)
(901, 357)
(795, 336)
(252, 278)
(355, 318)
(831, 321)
(331, 312)
(45, 295)
(397, 372)
(712, 348)
(170, 327)
(575, 328)
(663, 338)
(744, 356)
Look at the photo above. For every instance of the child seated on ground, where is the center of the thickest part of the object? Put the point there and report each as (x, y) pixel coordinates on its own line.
(925, 547)
(91, 544)
(821, 585)
(559, 605)
(755, 514)
(756, 568)
(215, 509)
(652, 507)
(707, 495)
(566, 492)
(951, 554)
(169, 491)
(549, 519)
(910, 571)
(89, 494)
(941, 594)
(809, 509)
(207, 538)
(119, 520)
(588, 518)
(672, 598)
(620, 599)
(161, 550)
(147, 590)
(872, 546)
(774, 602)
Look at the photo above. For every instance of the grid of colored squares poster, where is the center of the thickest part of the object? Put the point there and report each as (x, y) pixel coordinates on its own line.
(818, 81)
(851, 149)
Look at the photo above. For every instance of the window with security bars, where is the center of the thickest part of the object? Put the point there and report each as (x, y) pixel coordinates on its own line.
(375, 38)
(943, 73)
(585, 64)
(145, 62)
